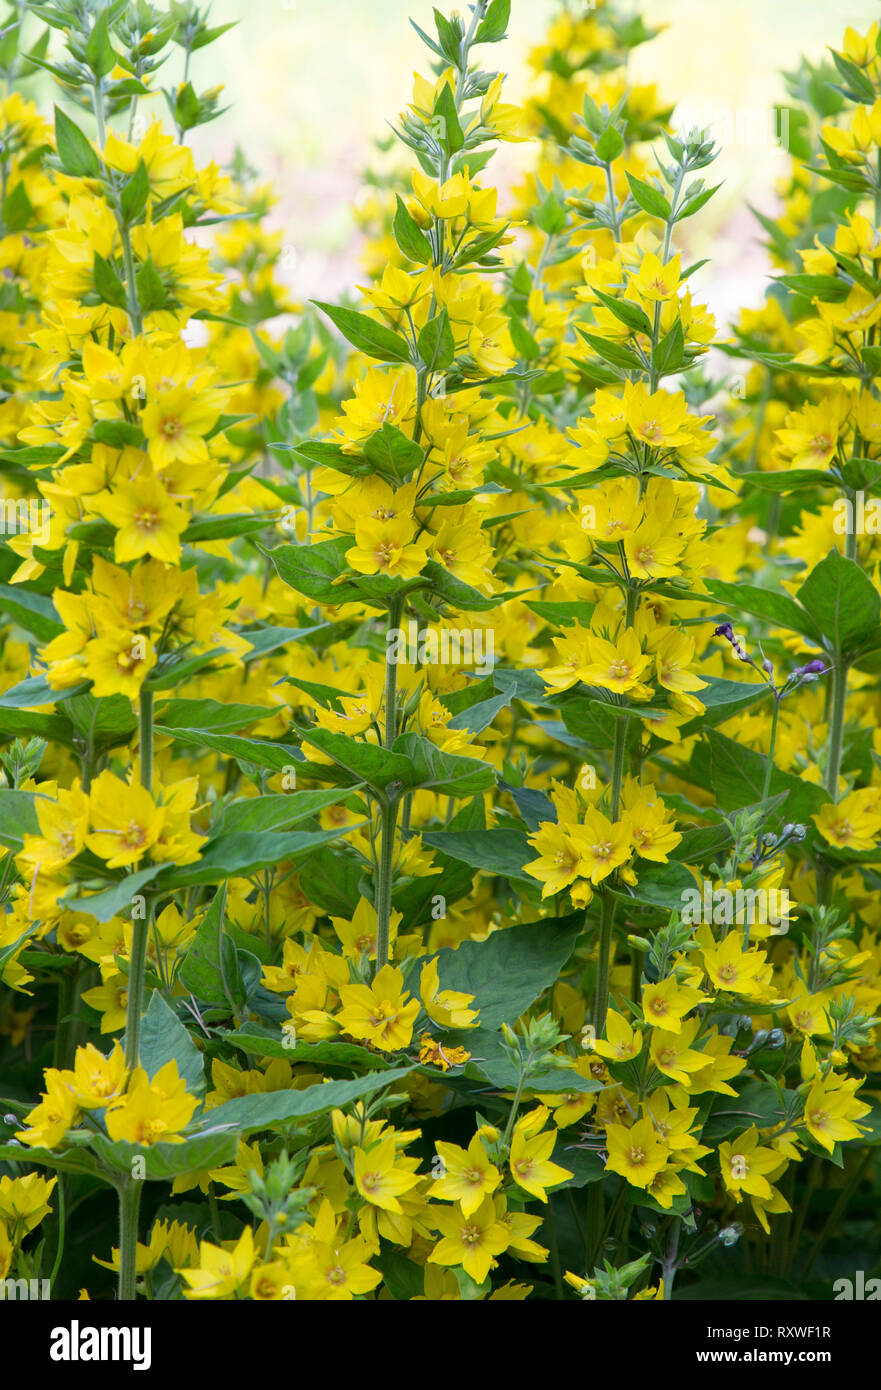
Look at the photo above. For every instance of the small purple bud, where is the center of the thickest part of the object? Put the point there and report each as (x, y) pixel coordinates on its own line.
(768, 666)
(724, 630)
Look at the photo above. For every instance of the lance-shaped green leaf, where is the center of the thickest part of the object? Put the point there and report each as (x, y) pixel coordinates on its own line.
(74, 151)
(499, 850)
(239, 855)
(446, 773)
(265, 1042)
(773, 607)
(71, 1159)
(246, 1114)
(512, 968)
(248, 752)
(113, 901)
(165, 1039)
(320, 572)
(274, 811)
(210, 969)
(36, 613)
(18, 815)
(842, 600)
(737, 776)
(366, 334)
(165, 1162)
(212, 715)
(437, 347)
(409, 235)
(392, 452)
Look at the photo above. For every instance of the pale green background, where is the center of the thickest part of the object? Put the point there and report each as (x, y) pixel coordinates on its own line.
(312, 82)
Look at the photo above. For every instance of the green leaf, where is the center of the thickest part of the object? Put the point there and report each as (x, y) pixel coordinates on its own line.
(211, 715)
(737, 776)
(496, 851)
(274, 812)
(609, 145)
(257, 752)
(408, 234)
(239, 855)
(448, 774)
(366, 334)
(261, 1042)
(776, 608)
(842, 600)
(108, 284)
(494, 25)
(512, 968)
(74, 151)
(111, 902)
(626, 312)
(320, 572)
(99, 50)
(613, 352)
(34, 612)
(74, 1159)
(165, 1162)
(17, 209)
(650, 199)
(133, 198)
(151, 291)
(669, 355)
(246, 1114)
(210, 968)
(451, 131)
(392, 452)
(165, 1039)
(437, 347)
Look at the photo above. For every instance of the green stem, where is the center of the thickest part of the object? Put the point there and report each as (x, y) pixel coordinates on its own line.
(388, 825)
(836, 725)
(769, 766)
(129, 1206)
(389, 812)
(604, 964)
(145, 739)
(141, 925)
(59, 1248)
(670, 1260)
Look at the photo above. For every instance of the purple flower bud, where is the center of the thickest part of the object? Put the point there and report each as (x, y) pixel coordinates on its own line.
(768, 666)
(724, 630)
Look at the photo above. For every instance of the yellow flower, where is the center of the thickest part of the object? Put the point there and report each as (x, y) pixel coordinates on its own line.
(25, 1201)
(472, 1241)
(152, 1111)
(448, 1008)
(656, 280)
(97, 1079)
(222, 1270)
(49, 1122)
(468, 1175)
(529, 1160)
(146, 520)
(854, 823)
(744, 1165)
(831, 1108)
(637, 1153)
(622, 1042)
(666, 1003)
(602, 844)
(378, 1013)
(377, 1178)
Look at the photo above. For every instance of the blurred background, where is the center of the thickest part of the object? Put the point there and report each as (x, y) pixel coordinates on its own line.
(311, 84)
